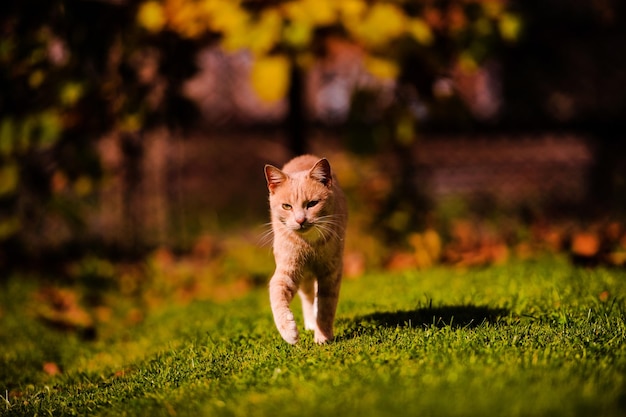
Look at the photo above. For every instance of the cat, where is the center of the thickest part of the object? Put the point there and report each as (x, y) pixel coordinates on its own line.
(308, 216)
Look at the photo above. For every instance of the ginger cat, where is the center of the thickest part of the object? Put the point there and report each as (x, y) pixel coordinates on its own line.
(309, 215)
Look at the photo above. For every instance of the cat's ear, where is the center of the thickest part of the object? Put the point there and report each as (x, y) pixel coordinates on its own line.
(274, 177)
(321, 172)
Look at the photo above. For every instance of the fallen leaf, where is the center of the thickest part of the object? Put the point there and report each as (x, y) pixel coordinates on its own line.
(585, 244)
(604, 296)
(401, 261)
(51, 368)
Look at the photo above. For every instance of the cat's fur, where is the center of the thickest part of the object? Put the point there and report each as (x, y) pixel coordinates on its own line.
(309, 215)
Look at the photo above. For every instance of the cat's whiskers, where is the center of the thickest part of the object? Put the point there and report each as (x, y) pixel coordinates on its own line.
(326, 227)
(266, 237)
(320, 231)
(331, 219)
(325, 232)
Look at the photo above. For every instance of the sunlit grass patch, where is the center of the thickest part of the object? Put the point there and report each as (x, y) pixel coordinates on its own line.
(524, 339)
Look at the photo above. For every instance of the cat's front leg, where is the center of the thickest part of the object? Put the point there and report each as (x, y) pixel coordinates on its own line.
(307, 292)
(282, 290)
(327, 298)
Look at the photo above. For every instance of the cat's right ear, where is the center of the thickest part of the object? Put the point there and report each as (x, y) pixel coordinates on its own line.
(274, 177)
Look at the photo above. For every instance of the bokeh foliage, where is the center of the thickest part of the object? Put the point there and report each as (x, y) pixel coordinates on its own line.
(74, 70)
(295, 32)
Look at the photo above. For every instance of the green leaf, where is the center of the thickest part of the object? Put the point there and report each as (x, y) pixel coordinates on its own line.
(9, 178)
(7, 47)
(7, 132)
(24, 138)
(50, 129)
(8, 227)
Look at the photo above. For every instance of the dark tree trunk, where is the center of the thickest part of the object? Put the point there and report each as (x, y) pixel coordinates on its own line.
(607, 183)
(296, 124)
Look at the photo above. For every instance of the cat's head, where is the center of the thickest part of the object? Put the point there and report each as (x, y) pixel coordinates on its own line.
(302, 201)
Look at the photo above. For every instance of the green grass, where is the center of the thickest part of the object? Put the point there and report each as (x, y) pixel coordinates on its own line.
(526, 339)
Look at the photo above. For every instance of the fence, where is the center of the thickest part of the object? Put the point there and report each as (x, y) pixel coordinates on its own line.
(187, 185)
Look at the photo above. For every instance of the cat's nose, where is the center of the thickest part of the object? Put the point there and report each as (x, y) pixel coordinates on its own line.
(300, 220)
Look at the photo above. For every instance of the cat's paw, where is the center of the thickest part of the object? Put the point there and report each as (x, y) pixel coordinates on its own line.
(321, 338)
(289, 332)
(290, 337)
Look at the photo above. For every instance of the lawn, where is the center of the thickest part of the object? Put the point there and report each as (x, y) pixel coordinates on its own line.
(533, 338)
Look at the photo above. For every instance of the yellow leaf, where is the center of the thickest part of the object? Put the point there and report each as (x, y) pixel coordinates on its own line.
(270, 77)
(240, 33)
(467, 63)
(205, 7)
(383, 23)
(388, 17)
(226, 16)
(312, 12)
(295, 11)
(131, 123)
(322, 12)
(235, 41)
(405, 130)
(266, 33)
(83, 186)
(422, 256)
(351, 9)
(36, 78)
(151, 16)
(297, 34)
(432, 243)
(381, 68)
(493, 8)
(71, 93)
(420, 30)
(510, 26)
(190, 18)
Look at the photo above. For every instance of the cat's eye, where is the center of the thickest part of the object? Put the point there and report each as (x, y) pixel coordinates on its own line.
(286, 206)
(312, 203)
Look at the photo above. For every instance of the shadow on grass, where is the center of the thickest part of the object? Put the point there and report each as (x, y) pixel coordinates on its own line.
(466, 316)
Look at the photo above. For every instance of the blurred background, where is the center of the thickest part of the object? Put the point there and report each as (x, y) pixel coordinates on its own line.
(133, 134)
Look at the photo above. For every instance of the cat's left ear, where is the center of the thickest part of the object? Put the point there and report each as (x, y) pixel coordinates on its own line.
(274, 177)
(321, 172)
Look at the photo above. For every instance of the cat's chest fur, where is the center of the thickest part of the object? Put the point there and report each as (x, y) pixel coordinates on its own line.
(315, 258)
